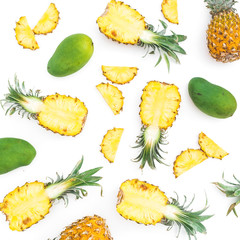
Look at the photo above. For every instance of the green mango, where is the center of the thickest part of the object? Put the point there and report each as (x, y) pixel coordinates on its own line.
(71, 55)
(15, 153)
(211, 99)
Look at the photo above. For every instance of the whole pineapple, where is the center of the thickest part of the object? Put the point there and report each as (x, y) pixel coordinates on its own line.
(223, 31)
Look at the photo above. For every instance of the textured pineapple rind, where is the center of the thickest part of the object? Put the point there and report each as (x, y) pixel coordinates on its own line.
(167, 15)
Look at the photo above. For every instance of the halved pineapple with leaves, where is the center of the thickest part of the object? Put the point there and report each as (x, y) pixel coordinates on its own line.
(158, 110)
(28, 204)
(119, 75)
(59, 113)
(145, 203)
(110, 143)
(48, 21)
(112, 95)
(24, 34)
(170, 11)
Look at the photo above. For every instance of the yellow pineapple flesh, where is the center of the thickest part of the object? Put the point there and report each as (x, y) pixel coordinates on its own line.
(170, 12)
(110, 143)
(25, 205)
(187, 160)
(48, 21)
(112, 95)
(119, 75)
(24, 34)
(210, 147)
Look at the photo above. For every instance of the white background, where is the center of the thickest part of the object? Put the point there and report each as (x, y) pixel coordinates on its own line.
(56, 153)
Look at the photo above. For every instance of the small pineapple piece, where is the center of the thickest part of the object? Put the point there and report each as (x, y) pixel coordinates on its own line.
(187, 160)
(210, 147)
(112, 95)
(24, 34)
(110, 143)
(87, 228)
(48, 21)
(119, 75)
(170, 12)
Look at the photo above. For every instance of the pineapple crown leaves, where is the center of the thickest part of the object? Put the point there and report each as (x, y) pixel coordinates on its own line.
(61, 187)
(217, 6)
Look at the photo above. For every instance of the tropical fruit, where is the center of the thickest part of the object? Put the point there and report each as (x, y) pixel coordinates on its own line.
(145, 203)
(71, 55)
(170, 12)
(15, 153)
(211, 99)
(27, 205)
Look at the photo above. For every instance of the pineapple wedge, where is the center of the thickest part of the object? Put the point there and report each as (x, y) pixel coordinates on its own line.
(187, 160)
(119, 75)
(24, 34)
(110, 143)
(112, 95)
(210, 147)
(170, 12)
(48, 21)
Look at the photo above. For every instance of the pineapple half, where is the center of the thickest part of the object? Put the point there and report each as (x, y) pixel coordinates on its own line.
(119, 75)
(28, 204)
(170, 12)
(123, 24)
(59, 113)
(158, 110)
(145, 203)
(110, 143)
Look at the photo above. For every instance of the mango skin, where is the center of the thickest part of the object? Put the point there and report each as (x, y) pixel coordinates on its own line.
(71, 55)
(15, 153)
(211, 99)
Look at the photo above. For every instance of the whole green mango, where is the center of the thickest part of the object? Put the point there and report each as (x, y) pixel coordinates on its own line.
(71, 55)
(211, 99)
(15, 153)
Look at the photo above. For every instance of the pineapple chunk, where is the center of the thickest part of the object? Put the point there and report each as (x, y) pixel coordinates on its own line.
(110, 143)
(24, 34)
(160, 103)
(170, 12)
(210, 147)
(112, 95)
(141, 202)
(48, 21)
(26, 205)
(187, 160)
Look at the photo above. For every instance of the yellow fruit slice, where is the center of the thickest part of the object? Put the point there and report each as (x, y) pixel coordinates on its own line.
(110, 143)
(210, 147)
(48, 21)
(187, 160)
(112, 95)
(119, 75)
(24, 34)
(170, 12)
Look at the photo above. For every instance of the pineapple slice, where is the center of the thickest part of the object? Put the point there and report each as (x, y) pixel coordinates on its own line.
(210, 147)
(110, 143)
(24, 34)
(187, 160)
(170, 12)
(48, 21)
(119, 75)
(112, 95)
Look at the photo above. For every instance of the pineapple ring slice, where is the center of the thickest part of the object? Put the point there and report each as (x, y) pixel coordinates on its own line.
(119, 75)
(24, 34)
(187, 160)
(112, 95)
(48, 21)
(170, 12)
(110, 143)
(210, 147)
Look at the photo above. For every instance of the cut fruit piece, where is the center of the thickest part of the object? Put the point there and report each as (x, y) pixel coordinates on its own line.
(48, 21)
(110, 143)
(187, 160)
(112, 95)
(170, 12)
(210, 147)
(119, 75)
(24, 34)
